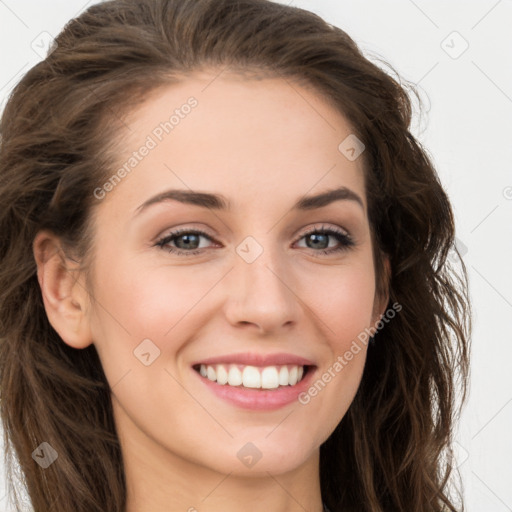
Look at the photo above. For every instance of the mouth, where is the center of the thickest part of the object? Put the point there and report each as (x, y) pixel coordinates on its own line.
(255, 381)
(272, 377)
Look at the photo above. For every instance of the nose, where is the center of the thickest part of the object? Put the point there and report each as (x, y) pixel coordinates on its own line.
(261, 293)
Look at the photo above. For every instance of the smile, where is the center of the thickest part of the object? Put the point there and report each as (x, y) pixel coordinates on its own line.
(254, 377)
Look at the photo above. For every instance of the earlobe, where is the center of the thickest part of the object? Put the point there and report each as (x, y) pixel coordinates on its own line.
(64, 296)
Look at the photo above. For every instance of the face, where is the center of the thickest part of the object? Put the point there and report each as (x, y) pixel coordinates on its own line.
(256, 287)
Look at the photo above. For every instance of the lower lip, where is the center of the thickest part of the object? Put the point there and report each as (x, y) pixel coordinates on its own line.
(259, 399)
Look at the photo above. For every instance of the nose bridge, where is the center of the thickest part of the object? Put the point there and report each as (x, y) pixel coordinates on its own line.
(261, 291)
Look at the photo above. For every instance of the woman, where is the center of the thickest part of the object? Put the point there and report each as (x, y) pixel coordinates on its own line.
(224, 276)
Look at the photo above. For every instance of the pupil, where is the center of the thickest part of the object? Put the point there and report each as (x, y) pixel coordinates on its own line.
(186, 239)
(315, 238)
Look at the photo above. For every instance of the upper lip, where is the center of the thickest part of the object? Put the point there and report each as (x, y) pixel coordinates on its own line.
(254, 359)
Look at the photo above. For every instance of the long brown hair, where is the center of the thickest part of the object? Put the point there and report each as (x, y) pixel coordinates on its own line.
(392, 450)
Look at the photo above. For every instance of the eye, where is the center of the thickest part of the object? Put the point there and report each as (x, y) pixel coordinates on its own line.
(187, 241)
(319, 239)
(187, 238)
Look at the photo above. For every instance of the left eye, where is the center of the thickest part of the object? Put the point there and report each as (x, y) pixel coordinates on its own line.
(188, 241)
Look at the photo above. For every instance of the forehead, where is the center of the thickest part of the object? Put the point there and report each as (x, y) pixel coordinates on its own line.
(209, 132)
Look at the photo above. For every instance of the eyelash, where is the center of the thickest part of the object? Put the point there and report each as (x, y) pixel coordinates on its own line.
(345, 240)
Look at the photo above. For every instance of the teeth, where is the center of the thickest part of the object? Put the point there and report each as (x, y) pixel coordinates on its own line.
(251, 377)
(269, 377)
(222, 375)
(234, 376)
(211, 373)
(283, 376)
(293, 376)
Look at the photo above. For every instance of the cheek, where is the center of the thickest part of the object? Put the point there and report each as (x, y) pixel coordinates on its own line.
(168, 304)
(149, 302)
(344, 304)
(342, 300)
(136, 304)
(351, 313)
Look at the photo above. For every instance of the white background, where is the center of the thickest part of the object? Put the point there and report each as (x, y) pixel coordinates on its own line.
(467, 129)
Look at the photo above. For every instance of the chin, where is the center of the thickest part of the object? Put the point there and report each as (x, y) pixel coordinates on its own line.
(259, 457)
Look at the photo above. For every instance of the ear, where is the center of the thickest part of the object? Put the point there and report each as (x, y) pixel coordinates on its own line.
(380, 303)
(64, 295)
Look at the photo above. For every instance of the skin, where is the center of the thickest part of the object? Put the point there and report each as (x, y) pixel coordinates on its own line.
(263, 144)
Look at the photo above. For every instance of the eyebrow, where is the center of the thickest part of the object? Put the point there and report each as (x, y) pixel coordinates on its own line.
(219, 202)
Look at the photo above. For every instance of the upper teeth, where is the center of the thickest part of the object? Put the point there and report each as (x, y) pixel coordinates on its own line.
(268, 377)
